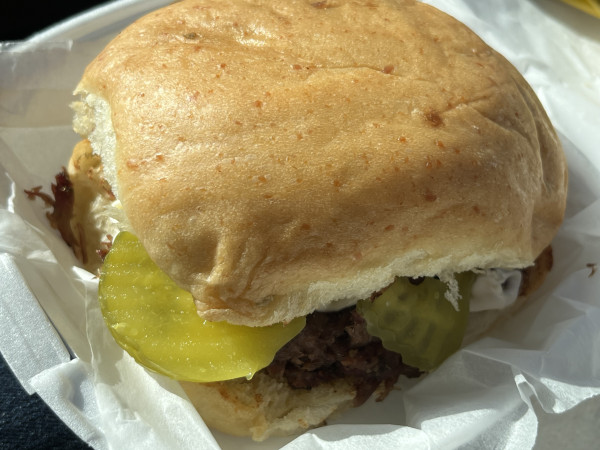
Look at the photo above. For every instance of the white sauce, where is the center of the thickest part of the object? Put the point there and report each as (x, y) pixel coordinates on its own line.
(495, 289)
(108, 216)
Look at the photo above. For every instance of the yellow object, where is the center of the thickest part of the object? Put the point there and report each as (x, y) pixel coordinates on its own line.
(589, 6)
(156, 322)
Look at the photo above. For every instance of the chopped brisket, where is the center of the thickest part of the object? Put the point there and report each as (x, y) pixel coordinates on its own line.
(337, 345)
(533, 276)
(62, 204)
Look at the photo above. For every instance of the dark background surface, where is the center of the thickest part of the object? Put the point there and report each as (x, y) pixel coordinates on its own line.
(19, 19)
(26, 422)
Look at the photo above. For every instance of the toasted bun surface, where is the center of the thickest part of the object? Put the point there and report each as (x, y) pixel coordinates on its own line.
(264, 407)
(274, 156)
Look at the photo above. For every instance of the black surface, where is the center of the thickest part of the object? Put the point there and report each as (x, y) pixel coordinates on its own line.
(20, 19)
(26, 422)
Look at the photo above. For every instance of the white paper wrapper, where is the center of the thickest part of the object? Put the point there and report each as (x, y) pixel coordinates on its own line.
(533, 381)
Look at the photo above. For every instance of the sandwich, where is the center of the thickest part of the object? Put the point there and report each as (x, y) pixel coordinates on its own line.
(291, 203)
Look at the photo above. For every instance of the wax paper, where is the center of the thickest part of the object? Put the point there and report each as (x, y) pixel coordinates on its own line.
(533, 381)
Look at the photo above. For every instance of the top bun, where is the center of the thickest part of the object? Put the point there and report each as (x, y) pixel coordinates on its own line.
(274, 156)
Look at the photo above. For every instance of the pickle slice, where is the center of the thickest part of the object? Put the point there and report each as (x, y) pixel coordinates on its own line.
(156, 322)
(417, 321)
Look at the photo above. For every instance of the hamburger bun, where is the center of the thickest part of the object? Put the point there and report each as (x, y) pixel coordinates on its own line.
(274, 157)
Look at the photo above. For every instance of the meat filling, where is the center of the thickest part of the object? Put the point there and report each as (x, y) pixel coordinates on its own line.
(336, 345)
(61, 201)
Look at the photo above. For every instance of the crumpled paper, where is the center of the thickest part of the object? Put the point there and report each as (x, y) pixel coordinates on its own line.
(532, 381)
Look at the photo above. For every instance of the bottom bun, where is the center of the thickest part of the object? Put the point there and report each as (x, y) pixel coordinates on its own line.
(263, 406)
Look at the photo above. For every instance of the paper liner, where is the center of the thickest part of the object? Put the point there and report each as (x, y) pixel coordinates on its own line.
(496, 392)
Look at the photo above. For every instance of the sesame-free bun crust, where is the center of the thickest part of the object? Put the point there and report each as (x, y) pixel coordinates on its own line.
(275, 156)
(264, 406)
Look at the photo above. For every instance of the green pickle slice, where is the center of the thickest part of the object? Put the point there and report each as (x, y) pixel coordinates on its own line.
(417, 321)
(156, 322)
